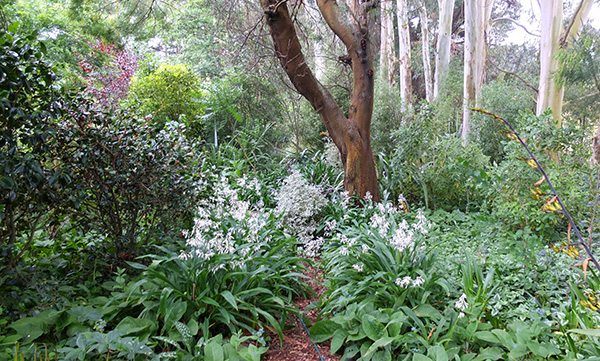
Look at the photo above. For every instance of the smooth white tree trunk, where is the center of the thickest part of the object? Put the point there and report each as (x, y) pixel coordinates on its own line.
(386, 54)
(404, 61)
(444, 40)
(425, 44)
(477, 19)
(549, 94)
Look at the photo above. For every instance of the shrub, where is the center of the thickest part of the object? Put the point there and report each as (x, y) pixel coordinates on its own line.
(126, 177)
(299, 204)
(30, 105)
(169, 93)
(107, 74)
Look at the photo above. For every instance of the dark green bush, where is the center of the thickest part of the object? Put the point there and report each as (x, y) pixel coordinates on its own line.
(29, 107)
(128, 178)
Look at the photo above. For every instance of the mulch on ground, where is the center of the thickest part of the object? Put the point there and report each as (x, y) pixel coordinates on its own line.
(297, 345)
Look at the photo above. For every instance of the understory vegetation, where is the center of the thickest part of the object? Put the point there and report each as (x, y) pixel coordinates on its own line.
(175, 215)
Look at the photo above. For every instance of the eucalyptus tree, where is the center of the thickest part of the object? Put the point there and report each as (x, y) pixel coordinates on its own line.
(351, 134)
(444, 40)
(554, 37)
(404, 56)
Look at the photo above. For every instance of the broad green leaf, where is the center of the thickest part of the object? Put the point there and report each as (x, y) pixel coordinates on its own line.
(323, 330)
(426, 310)
(130, 325)
(337, 341)
(372, 328)
(213, 351)
(419, 357)
(382, 342)
(437, 353)
(487, 336)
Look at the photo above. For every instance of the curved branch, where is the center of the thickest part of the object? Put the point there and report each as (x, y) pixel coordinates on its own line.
(516, 23)
(515, 75)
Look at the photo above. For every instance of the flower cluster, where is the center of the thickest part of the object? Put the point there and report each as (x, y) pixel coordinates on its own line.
(461, 305)
(299, 204)
(407, 281)
(210, 236)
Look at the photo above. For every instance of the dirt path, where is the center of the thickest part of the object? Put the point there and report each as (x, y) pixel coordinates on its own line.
(296, 343)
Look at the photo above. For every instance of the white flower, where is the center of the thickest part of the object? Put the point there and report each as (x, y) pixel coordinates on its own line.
(344, 251)
(403, 236)
(417, 282)
(404, 282)
(461, 315)
(368, 197)
(365, 248)
(358, 267)
(462, 304)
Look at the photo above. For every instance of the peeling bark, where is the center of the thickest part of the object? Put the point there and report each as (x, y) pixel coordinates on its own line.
(351, 135)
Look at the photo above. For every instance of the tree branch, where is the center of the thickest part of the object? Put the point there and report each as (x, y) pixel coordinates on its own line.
(515, 75)
(516, 23)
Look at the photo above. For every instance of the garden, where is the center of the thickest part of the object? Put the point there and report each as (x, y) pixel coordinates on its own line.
(176, 204)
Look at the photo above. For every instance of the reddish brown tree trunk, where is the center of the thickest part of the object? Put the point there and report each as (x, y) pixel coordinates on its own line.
(351, 135)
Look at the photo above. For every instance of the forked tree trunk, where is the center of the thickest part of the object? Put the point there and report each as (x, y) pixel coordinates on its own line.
(442, 56)
(550, 93)
(352, 134)
(425, 45)
(386, 54)
(404, 61)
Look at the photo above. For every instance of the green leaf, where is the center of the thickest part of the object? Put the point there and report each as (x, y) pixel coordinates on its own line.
(487, 336)
(382, 342)
(213, 351)
(419, 357)
(437, 353)
(338, 340)
(230, 298)
(588, 332)
(322, 330)
(350, 352)
(373, 328)
(426, 310)
(130, 325)
(28, 328)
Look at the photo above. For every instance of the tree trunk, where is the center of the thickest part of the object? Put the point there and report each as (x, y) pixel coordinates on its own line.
(425, 45)
(404, 56)
(477, 18)
(550, 93)
(442, 56)
(351, 135)
(386, 54)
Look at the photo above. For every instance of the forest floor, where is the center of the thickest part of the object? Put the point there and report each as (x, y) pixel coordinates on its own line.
(297, 345)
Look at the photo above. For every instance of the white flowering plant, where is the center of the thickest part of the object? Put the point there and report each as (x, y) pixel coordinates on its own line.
(384, 261)
(239, 269)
